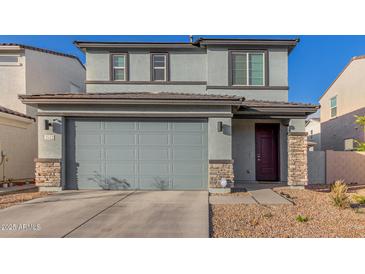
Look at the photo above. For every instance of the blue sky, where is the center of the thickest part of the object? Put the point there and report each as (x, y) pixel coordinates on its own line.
(313, 64)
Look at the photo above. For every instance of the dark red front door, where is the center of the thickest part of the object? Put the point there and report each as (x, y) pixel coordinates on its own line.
(267, 152)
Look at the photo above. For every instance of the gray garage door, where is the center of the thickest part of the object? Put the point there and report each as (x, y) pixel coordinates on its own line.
(136, 154)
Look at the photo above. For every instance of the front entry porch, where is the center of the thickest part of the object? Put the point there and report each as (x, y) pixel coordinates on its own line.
(259, 151)
(269, 143)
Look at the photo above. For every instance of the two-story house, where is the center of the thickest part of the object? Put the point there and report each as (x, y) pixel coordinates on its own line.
(174, 116)
(28, 70)
(344, 99)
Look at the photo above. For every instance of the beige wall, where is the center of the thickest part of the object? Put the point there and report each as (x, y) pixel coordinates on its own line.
(12, 82)
(346, 165)
(18, 143)
(349, 89)
(52, 73)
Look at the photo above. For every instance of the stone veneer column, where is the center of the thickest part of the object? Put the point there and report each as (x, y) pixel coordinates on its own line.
(297, 159)
(48, 174)
(219, 169)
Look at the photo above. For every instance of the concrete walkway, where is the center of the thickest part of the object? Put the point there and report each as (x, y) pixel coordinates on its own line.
(110, 214)
(261, 196)
(268, 197)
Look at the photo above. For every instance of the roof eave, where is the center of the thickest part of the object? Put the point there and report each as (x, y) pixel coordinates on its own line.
(100, 45)
(29, 101)
(290, 44)
(292, 111)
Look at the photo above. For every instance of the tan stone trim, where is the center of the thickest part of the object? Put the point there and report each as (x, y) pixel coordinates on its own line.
(47, 160)
(217, 171)
(220, 161)
(297, 133)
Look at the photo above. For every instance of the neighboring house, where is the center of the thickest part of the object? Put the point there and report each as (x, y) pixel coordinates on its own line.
(28, 70)
(313, 129)
(340, 103)
(174, 116)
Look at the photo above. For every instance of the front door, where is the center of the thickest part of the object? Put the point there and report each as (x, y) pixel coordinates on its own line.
(267, 152)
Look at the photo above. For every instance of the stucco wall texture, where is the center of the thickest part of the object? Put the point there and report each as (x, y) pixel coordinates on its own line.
(19, 145)
(346, 165)
(349, 89)
(205, 67)
(336, 130)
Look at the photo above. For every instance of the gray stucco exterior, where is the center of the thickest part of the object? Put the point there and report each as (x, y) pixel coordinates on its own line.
(202, 70)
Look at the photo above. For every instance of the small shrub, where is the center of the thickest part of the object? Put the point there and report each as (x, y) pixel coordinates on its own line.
(339, 195)
(360, 199)
(268, 215)
(302, 219)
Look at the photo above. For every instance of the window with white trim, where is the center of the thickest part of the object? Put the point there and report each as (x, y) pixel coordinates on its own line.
(248, 68)
(159, 67)
(333, 106)
(119, 67)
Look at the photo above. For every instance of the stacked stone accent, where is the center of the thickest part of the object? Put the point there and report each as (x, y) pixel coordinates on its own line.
(219, 169)
(297, 159)
(48, 172)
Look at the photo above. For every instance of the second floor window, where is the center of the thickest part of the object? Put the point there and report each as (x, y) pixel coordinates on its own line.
(159, 67)
(248, 68)
(119, 67)
(333, 106)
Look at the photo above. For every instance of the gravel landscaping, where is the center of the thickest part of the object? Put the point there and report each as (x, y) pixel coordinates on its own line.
(17, 198)
(312, 215)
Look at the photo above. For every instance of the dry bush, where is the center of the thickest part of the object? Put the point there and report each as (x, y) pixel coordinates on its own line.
(360, 199)
(339, 195)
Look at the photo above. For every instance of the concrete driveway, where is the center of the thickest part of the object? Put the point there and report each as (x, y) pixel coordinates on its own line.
(109, 214)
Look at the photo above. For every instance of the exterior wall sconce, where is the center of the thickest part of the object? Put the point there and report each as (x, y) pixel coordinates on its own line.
(220, 126)
(47, 124)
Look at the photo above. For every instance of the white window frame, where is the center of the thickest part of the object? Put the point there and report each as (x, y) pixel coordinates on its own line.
(164, 67)
(247, 53)
(114, 67)
(334, 97)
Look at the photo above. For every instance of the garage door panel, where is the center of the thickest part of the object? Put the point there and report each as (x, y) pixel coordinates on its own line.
(153, 153)
(154, 126)
(88, 152)
(89, 139)
(120, 182)
(120, 168)
(187, 168)
(187, 182)
(153, 139)
(85, 125)
(89, 167)
(120, 139)
(188, 153)
(154, 182)
(187, 139)
(117, 126)
(122, 154)
(187, 126)
(153, 168)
